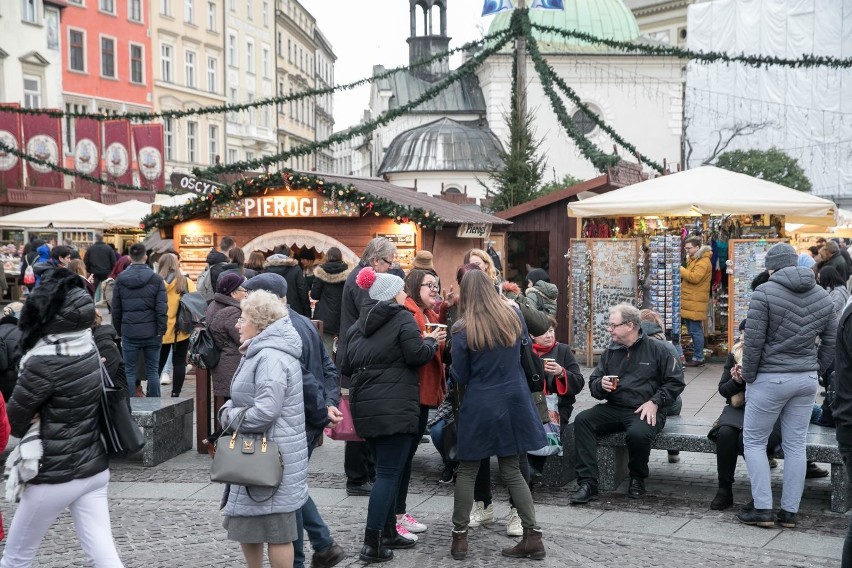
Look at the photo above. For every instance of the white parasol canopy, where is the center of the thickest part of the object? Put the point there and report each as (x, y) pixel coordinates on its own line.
(706, 191)
(128, 213)
(77, 213)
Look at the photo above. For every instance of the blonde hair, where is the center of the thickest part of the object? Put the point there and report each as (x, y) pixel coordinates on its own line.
(263, 308)
(77, 266)
(489, 321)
(490, 270)
(169, 264)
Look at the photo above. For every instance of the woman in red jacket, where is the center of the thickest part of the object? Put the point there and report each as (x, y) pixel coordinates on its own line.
(421, 290)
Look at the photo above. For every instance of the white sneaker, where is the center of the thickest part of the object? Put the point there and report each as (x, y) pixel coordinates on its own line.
(411, 524)
(513, 527)
(165, 379)
(405, 533)
(481, 514)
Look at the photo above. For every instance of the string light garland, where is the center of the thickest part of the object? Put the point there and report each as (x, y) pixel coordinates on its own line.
(293, 181)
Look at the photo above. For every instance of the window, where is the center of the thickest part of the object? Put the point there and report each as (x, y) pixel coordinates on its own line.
(249, 10)
(137, 74)
(107, 6)
(211, 16)
(213, 143)
(190, 69)
(169, 138)
(289, 51)
(232, 50)
(166, 62)
(107, 57)
(232, 5)
(134, 10)
(232, 99)
(249, 156)
(70, 123)
(189, 11)
(76, 51)
(265, 14)
(212, 75)
(251, 110)
(191, 140)
(584, 122)
(166, 7)
(265, 111)
(32, 92)
(29, 13)
(266, 63)
(250, 57)
(232, 155)
(280, 94)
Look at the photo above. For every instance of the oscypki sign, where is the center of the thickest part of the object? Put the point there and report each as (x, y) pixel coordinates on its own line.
(193, 184)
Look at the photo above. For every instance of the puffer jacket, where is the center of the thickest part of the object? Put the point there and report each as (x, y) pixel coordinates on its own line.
(139, 304)
(695, 285)
(329, 279)
(384, 351)
(222, 315)
(268, 383)
(60, 380)
(297, 288)
(319, 375)
(173, 335)
(785, 317)
(839, 297)
(11, 336)
(543, 296)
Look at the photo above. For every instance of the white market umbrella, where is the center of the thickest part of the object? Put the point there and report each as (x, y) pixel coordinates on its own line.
(705, 191)
(128, 214)
(77, 213)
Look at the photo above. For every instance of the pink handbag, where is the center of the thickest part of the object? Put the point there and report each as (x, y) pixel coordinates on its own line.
(345, 430)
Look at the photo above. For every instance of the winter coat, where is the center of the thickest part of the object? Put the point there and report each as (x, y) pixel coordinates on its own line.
(841, 408)
(268, 383)
(567, 385)
(839, 297)
(222, 315)
(695, 285)
(543, 295)
(99, 259)
(319, 375)
(350, 309)
(384, 351)
(105, 338)
(329, 279)
(217, 261)
(838, 262)
(64, 385)
(497, 416)
(297, 288)
(5, 427)
(11, 336)
(139, 305)
(785, 316)
(173, 335)
(646, 371)
(433, 384)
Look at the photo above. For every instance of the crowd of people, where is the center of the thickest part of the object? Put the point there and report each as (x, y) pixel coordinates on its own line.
(475, 363)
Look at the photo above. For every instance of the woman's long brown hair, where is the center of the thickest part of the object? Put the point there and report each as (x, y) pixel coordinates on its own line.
(169, 263)
(489, 321)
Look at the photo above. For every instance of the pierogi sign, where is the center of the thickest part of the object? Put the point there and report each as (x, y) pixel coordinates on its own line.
(282, 205)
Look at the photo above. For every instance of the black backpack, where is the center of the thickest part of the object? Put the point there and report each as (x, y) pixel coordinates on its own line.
(202, 351)
(191, 312)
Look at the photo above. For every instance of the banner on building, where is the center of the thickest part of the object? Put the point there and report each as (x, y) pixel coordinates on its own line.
(494, 6)
(11, 168)
(42, 139)
(117, 158)
(87, 154)
(148, 142)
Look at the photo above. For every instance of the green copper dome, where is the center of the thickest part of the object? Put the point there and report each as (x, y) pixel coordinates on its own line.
(609, 19)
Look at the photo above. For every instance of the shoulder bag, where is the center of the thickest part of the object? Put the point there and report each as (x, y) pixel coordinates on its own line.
(534, 371)
(345, 430)
(119, 431)
(247, 459)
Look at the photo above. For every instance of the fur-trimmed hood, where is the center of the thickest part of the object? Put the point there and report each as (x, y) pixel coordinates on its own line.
(280, 260)
(702, 250)
(60, 305)
(333, 272)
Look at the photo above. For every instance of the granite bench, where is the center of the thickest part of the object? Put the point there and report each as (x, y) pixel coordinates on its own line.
(690, 435)
(167, 425)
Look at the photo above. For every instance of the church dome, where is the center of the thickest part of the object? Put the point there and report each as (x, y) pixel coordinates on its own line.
(609, 19)
(445, 145)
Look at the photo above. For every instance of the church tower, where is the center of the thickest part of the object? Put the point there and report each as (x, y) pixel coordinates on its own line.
(425, 42)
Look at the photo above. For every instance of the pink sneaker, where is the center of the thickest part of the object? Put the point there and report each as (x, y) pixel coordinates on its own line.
(411, 524)
(405, 533)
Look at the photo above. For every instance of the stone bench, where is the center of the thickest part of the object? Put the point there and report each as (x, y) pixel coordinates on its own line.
(167, 425)
(690, 435)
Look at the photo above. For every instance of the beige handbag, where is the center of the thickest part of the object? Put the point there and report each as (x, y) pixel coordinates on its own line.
(247, 459)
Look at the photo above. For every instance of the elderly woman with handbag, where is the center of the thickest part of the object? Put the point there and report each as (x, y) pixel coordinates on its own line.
(266, 399)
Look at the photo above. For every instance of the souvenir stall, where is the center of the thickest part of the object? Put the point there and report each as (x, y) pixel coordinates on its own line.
(708, 203)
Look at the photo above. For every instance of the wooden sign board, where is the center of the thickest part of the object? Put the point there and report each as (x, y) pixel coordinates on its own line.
(474, 230)
(399, 239)
(194, 254)
(193, 184)
(283, 204)
(196, 240)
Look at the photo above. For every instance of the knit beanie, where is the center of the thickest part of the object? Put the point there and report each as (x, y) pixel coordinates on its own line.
(381, 287)
(229, 282)
(537, 274)
(423, 261)
(781, 255)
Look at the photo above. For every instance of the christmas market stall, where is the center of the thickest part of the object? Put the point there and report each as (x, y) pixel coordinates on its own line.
(738, 216)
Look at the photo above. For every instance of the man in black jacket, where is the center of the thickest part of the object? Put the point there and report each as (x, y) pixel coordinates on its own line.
(639, 378)
(140, 315)
(99, 261)
(297, 287)
(842, 407)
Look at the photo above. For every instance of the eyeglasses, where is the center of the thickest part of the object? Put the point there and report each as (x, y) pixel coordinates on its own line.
(242, 321)
(388, 262)
(612, 326)
(430, 285)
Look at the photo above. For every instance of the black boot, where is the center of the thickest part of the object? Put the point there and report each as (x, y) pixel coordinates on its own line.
(724, 498)
(373, 550)
(392, 539)
(758, 517)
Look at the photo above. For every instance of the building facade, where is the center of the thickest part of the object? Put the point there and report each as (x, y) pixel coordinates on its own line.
(662, 20)
(189, 49)
(324, 104)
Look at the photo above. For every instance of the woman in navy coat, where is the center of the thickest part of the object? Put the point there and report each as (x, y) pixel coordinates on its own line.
(497, 416)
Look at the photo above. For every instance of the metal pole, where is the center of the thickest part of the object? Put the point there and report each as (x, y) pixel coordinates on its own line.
(521, 85)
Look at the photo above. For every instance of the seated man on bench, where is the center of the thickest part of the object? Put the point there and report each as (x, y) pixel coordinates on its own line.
(639, 378)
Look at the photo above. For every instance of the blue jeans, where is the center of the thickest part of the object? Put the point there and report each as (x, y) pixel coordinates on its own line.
(789, 396)
(696, 331)
(436, 433)
(309, 519)
(391, 454)
(150, 347)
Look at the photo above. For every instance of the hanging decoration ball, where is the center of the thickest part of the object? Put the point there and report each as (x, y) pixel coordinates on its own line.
(405, 219)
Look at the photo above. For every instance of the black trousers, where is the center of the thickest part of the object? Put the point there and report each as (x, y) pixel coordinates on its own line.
(358, 463)
(846, 454)
(608, 419)
(181, 348)
(729, 445)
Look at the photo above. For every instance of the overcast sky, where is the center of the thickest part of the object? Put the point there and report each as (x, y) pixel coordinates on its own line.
(373, 32)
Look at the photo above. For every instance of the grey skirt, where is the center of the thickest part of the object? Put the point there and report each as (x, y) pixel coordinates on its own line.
(277, 528)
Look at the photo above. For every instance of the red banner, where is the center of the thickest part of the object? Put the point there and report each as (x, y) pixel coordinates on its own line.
(11, 172)
(43, 140)
(117, 158)
(148, 141)
(87, 152)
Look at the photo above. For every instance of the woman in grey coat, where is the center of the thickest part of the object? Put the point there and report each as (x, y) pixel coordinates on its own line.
(781, 360)
(268, 386)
